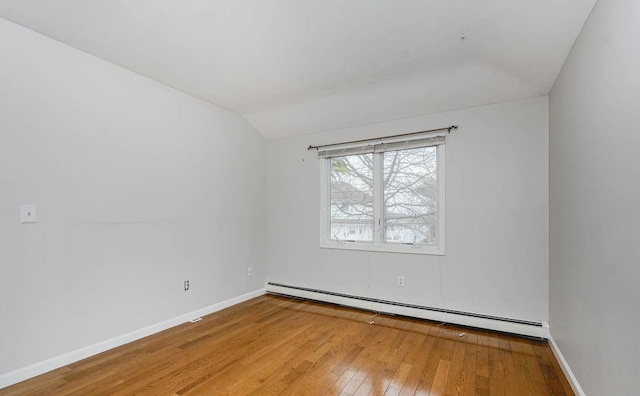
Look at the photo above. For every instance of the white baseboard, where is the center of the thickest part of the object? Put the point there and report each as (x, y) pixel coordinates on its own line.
(449, 317)
(42, 367)
(564, 365)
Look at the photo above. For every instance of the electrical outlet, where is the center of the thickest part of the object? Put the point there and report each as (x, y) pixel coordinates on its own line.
(28, 214)
(249, 271)
(401, 281)
(186, 285)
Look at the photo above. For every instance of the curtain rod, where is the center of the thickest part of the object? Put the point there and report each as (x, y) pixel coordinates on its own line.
(448, 129)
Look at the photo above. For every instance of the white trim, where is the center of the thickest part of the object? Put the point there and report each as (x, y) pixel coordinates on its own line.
(441, 199)
(484, 323)
(564, 365)
(44, 366)
(324, 200)
(383, 247)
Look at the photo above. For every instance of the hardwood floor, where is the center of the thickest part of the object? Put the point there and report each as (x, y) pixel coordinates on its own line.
(275, 345)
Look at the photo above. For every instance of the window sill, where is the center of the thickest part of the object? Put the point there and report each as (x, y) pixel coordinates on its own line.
(386, 248)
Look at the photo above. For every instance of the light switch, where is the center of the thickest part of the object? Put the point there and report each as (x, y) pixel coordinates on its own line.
(28, 214)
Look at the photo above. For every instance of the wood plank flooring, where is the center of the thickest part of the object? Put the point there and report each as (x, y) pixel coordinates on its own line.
(273, 345)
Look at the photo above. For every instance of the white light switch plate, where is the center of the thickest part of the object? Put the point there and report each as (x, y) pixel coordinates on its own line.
(28, 214)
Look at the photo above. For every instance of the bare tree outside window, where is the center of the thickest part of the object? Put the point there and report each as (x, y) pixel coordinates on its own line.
(410, 196)
(351, 197)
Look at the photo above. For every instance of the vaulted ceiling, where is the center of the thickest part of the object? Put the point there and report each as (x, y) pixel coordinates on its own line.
(301, 66)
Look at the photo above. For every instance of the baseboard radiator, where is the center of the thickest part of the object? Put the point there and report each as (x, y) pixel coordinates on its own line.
(496, 323)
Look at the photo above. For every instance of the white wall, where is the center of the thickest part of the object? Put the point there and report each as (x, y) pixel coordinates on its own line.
(594, 195)
(496, 258)
(138, 188)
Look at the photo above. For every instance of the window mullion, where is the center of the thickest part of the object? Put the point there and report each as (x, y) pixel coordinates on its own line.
(377, 199)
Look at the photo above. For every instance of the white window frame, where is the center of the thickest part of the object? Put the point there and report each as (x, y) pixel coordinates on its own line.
(378, 245)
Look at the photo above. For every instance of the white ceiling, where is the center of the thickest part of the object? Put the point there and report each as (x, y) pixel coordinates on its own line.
(295, 66)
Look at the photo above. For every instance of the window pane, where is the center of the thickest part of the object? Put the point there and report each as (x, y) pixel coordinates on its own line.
(410, 197)
(351, 197)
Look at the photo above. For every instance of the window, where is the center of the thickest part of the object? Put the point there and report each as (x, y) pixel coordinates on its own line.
(351, 197)
(410, 196)
(391, 192)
